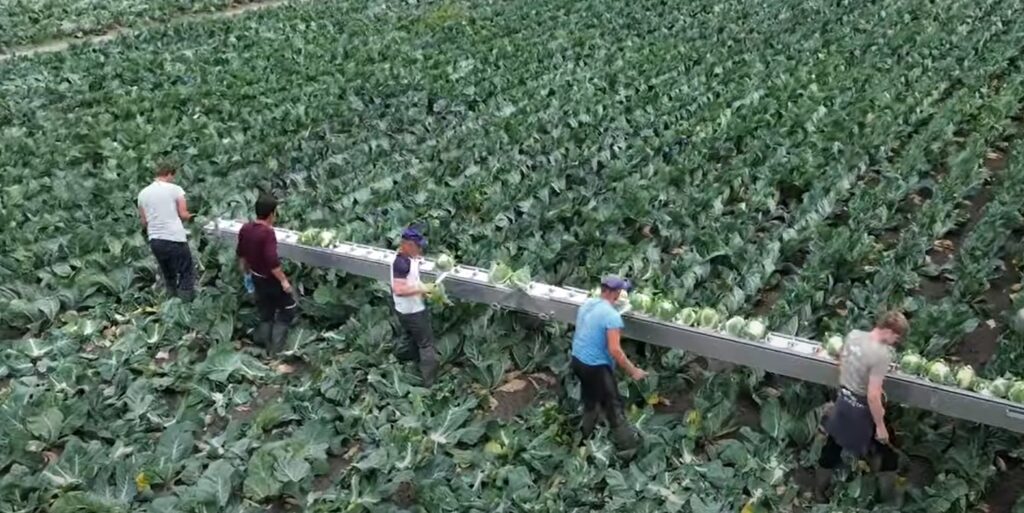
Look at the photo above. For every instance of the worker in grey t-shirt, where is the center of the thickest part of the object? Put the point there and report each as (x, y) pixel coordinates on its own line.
(162, 209)
(857, 422)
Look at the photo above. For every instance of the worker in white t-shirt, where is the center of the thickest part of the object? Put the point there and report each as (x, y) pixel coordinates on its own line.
(408, 293)
(162, 208)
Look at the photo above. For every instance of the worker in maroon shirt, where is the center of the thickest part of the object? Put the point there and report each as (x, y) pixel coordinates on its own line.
(257, 254)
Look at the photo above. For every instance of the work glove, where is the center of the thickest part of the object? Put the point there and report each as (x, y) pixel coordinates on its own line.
(250, 287)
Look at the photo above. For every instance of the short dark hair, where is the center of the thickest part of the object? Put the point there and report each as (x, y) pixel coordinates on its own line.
(166, 169)
(266, 204)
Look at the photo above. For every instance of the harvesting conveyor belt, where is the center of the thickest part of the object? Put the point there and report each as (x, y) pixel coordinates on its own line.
(780, 354)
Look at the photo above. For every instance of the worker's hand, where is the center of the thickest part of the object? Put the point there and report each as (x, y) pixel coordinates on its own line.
(286, 286)
(882, 434)
(637, 373)
(428, 289)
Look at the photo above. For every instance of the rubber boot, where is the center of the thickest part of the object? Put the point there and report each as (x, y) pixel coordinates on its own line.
(626, 439)
(428, 371)
(822, 483)
(279, 337)
(888, 490)
(262, 334)
(186, 296)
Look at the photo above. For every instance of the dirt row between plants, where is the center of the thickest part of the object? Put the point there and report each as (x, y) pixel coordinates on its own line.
(61, 44)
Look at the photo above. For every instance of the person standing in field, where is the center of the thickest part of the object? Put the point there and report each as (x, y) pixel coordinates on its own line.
(162, 208)
(857, 421)
(596, 349)
(257, 254)
(409, 295)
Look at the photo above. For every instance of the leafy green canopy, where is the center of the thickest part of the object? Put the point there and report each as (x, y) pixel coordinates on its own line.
(26, 22)
(697, 147)
(156, 411)
(698, 152)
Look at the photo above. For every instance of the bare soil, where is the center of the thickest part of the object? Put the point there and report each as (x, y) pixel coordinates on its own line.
(518, 393)
(675, 402)
(932, 287)
(767, 300)
(405, 495)
(747, 414)
(264, 396)
(978, 346)
(804, 479)
(919, 472)
(337, 465)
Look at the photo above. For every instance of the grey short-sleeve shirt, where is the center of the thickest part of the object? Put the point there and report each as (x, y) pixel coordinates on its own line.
(861, 358)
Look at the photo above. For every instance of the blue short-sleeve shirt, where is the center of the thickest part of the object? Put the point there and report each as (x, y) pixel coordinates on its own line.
(590, 342)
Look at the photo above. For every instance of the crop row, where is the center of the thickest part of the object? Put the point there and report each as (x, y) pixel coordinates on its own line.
(26, 22)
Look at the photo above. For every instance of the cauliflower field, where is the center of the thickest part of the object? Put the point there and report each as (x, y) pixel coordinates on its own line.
(803, 162)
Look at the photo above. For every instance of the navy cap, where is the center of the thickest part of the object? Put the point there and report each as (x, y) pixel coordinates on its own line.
(614, 282)
(413, 235)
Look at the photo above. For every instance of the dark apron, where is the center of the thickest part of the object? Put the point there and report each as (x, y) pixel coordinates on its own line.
(851, 424)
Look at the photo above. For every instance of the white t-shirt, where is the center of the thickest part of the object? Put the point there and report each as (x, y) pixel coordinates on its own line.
(159, 200)
(408, 269)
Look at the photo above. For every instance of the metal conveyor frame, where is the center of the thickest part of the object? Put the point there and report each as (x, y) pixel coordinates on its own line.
(781, 354)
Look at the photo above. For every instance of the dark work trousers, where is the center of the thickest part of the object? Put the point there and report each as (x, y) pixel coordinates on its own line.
(418, 345)
(272, 302)
(175, 261)
(599, 394)
(851, 428)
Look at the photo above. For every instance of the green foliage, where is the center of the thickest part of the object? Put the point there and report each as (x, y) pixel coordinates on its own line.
(708, 149)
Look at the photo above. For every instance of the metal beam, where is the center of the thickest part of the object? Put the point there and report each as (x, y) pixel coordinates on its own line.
(788, 356)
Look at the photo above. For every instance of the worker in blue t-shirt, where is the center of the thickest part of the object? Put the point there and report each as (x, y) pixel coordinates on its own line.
(596, 348)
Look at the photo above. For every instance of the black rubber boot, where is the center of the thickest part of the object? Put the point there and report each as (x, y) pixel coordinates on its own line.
(262, 334)
(822, 483)
(428, 371)
(888, 490)
(279, 337)
(627, 440)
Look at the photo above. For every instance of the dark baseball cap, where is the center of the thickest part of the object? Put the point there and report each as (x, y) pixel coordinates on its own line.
(614, 282)
(413, 235)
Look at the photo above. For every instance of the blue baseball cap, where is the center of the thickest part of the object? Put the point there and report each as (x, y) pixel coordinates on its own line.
(413, 235)
(614, 282)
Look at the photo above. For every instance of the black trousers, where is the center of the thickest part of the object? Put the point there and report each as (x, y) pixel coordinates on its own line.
(418, 344)
(175, 261)
(599, 391)
(832, 455)
(272, 302)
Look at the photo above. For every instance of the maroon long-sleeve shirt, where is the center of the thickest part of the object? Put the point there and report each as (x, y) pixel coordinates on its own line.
(257, 244)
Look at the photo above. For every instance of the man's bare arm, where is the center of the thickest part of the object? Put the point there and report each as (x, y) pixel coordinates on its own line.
(183, 212)
(877, 407)
(402, 288)
(142, 215)
(279, 274)
(614, 337)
